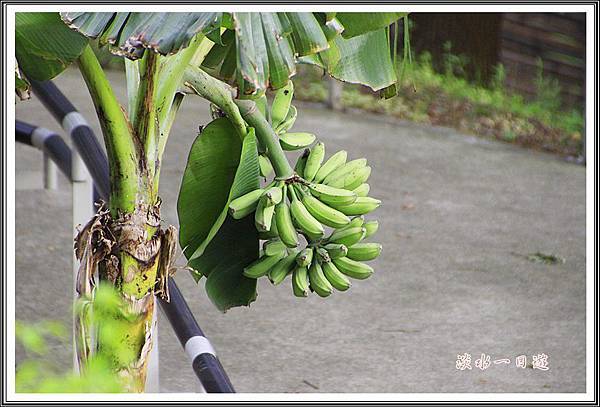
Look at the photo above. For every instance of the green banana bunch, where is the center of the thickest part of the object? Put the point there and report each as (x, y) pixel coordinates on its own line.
(330, 193)
(296, 141)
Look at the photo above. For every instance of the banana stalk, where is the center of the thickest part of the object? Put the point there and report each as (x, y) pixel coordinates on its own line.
(123, 245)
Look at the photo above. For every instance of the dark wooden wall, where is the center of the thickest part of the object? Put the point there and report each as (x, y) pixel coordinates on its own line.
(558, 39)
(516, 40)
(474, 35)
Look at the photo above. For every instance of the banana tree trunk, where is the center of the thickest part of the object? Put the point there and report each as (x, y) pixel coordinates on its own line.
(133, 254)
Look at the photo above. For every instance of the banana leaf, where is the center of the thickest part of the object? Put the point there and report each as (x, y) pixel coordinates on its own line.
(361, 23)
(364, 59)
(44, 45)
(267, 46)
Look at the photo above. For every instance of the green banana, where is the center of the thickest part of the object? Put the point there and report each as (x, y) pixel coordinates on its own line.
(357, 221)
(362, 190)
(300, 281)
(331, 195)
(296, 141)
(264, 215)
(364, 251)
(289, 121)
(318, 281)
(362, 206)
(303, 219)
(371, 227)
(273, 195)
(283, 221)
(323, 213)
(323, 255)
(261, 266)
(334, 162)
(349, 236)
(281, 104)
(354, 269)
(352, 179)
(269, 234)
(245, 204)
(338, 280)
(336, 250)
(301, 163)
(304, 258)
(314, 160)
(265, 166)
(283, 267)
(342, 171)
(274, 247)
(357, 177)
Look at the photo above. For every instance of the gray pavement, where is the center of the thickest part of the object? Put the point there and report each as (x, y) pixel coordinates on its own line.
(460, 214)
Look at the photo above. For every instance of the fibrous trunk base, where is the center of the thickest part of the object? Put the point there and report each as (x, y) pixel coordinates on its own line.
(134, 255)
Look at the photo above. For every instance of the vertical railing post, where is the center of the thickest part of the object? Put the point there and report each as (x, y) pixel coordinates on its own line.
(50, 173)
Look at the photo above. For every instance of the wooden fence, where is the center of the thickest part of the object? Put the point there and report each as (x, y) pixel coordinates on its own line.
(516, 40)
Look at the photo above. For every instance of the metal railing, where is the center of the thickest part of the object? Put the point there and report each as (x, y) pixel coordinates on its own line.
(74, 164)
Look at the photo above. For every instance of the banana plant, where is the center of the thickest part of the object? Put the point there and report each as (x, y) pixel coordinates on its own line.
(232, 60)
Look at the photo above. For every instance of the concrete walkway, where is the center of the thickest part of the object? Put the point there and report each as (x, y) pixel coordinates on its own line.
(460, 216)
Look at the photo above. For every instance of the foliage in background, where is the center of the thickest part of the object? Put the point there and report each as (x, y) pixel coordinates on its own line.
(40, 373)
(449, 99)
